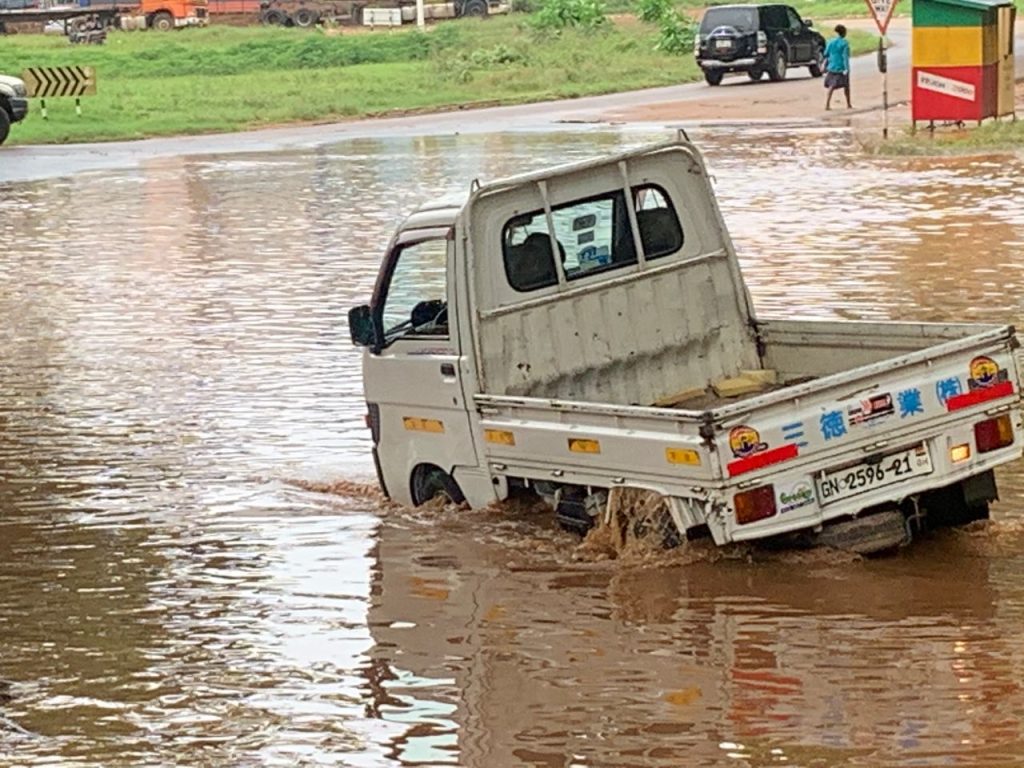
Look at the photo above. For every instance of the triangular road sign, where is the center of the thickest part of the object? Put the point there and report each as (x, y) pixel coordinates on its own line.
(882, 11)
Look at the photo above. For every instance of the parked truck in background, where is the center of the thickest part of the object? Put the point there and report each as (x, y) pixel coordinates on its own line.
(307, 13)
(584, 329)
(163, 15)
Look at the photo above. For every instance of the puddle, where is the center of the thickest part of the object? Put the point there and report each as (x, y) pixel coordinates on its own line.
(196, 569)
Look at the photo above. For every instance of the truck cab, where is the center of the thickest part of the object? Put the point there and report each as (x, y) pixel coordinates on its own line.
(585, 330)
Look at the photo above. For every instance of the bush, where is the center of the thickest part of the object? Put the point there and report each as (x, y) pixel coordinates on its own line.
(462, 66)
(676, 35)
(653, 11)
(558, 14)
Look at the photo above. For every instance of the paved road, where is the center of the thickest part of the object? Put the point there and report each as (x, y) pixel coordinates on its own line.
(800, 97)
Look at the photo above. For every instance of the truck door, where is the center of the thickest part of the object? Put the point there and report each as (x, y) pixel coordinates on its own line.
(800, 37)
(413, 382)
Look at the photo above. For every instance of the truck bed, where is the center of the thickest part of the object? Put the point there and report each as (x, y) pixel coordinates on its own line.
(908, 385)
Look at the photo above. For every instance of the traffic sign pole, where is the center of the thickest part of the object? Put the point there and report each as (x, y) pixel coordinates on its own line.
(881, 11)
(885, 91)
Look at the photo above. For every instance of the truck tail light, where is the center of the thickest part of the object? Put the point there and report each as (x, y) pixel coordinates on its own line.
(992, 434)
(755, 504)
(762, 42)
(696, 44)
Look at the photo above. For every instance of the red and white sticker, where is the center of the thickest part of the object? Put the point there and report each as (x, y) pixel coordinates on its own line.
(958, 89)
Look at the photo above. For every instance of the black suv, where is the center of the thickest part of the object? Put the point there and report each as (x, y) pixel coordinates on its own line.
(756, 39)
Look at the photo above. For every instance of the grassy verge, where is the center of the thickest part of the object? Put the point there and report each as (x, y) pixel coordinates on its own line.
(991, 137)
(224, 78)
(810, 9)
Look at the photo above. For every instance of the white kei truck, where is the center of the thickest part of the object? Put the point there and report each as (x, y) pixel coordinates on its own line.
(584, 328)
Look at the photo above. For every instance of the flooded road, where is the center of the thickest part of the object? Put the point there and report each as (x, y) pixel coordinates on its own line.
(177, 377)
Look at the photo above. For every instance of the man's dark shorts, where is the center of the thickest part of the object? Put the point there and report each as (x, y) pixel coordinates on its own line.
(837, 80)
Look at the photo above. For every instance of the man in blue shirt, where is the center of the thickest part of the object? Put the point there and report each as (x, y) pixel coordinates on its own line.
(837, 66)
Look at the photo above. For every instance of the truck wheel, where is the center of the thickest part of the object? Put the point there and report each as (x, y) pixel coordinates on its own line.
(477, 8)
(817, 68)
(755, 74)
(5, 124)
(777, 72)
(713, 76)
(162, 21)
(304, 17)
(429, 482)
(275, 17)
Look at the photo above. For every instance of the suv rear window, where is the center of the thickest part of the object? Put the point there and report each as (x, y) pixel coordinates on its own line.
(592, 235)
(743, 19)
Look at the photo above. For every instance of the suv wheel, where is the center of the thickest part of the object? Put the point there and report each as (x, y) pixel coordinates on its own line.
(778, 68)
(817, 67)
(755, 74)
(5, 123)
(713, 76)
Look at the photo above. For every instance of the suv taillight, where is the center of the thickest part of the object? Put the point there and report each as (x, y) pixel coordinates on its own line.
(762, 42)
(993, 434)
(755, 504)
(696, 44)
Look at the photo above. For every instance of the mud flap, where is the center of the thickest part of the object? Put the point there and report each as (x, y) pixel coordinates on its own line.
(962, 502)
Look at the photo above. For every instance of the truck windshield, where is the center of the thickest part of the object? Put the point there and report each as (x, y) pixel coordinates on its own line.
(741, 19)
(415, 297)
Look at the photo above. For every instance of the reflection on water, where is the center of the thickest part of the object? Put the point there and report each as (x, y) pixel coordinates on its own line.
(176, 377)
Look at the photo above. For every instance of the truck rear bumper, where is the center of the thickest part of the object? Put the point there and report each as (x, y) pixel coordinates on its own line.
(730, 66)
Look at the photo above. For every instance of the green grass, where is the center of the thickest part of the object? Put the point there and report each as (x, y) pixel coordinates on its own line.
(811, 9)
(227, 78)
(991, 137)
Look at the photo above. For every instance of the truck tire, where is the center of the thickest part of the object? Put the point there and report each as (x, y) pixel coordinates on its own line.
(5, 124)
(713, 76)
(777, 69)
(275, 17)
(429, 482)
(162, 22)
(477, 8)
(305, 17)
(868, 535)
(817, 67)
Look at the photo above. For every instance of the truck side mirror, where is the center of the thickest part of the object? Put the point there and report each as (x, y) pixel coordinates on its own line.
(808, 23)
(360, 326)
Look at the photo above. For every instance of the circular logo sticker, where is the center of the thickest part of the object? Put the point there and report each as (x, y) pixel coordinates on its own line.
(984, 371)
(745, 441)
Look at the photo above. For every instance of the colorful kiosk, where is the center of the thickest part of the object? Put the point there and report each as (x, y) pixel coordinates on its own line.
(962, 60)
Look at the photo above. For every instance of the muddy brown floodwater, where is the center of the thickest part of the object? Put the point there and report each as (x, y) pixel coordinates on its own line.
(176, 378)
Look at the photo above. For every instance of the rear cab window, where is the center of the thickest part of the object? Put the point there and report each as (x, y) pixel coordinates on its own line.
(590, 236)
(743, 20)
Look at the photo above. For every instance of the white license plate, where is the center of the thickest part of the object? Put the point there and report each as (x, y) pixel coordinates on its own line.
(861, 478)
(720, 44)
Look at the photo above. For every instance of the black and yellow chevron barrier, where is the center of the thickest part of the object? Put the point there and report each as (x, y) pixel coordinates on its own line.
(52, 82)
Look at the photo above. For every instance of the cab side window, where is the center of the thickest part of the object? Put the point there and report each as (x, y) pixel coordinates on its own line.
(416, 295)
(775, 18)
